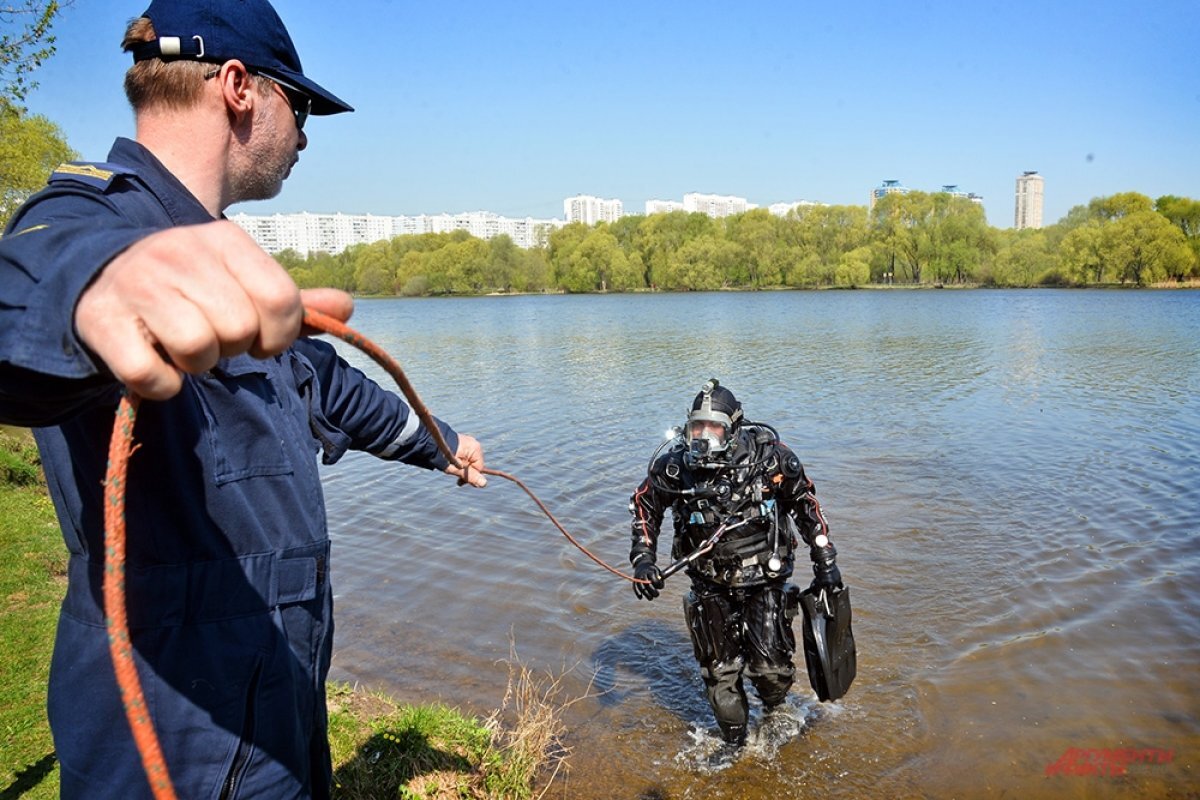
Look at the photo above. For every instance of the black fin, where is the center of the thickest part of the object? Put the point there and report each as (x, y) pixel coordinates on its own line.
(829, 651)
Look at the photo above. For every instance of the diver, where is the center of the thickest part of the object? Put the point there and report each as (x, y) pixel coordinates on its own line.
(741, 505)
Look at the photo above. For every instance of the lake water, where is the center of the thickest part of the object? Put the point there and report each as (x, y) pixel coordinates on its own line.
(1012, 479)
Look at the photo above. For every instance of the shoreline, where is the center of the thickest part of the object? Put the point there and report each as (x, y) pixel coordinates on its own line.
(1193, 284)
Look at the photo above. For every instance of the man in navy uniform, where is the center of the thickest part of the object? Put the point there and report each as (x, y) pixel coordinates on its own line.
(739, 501)
(125, 273)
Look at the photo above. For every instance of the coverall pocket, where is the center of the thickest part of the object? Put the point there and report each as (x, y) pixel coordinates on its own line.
(200, 685)
(242, 411)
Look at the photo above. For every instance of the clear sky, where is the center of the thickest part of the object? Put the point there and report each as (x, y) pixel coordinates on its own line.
(512, 107)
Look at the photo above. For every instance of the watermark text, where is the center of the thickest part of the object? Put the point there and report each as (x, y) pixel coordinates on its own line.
(1106, 761)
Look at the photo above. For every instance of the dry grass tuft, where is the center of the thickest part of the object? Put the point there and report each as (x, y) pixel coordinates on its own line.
(531, 746)
(384, 749)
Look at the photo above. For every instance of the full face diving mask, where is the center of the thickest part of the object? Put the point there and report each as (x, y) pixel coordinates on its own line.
(710, 426)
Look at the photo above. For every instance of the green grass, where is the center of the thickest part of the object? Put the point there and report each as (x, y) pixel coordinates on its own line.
(385, 749)
(33, 565)
(19, 462)
(380, 747)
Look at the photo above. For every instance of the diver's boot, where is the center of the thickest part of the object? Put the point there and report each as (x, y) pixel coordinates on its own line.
(734, 734)
(727, 753)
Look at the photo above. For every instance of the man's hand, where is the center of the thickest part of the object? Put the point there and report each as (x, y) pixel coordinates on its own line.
(470, 455)
(182, 298)
(826, 574)
(646, 570)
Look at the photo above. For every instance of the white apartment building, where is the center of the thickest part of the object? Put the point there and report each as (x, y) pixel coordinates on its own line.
(590, 210)
(662, 206)
(719, 205)
(715, 205)
(782, 209)
(332, 233)
(1030, 188)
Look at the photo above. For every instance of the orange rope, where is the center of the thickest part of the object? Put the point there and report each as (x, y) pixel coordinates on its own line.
(119, 645)
(335, 327)
(121, 447)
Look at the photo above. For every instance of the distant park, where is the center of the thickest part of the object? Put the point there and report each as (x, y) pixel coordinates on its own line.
(917, 239)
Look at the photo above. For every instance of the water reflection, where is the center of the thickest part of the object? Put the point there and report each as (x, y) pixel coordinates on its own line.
(1011, 478)
(653, 657)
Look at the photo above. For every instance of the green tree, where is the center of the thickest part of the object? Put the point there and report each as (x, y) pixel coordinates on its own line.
(1144, 247)
(1023, 258)
(1183, 213)
(1082, 254)
(461, 267)
(854, 267)
(289, 259)
(31, 146)
(25, 43)
(502, 263)
(694, 266)
(329, 270)
(757, 233)
(829, 232)
(1119, 205)
(412, 275)
(961, 238)
(626, 229)
(563, 243)
(532, 273)
(1076, 217)
(902, 228)
(599, 264)
(801, 267)
(374, 272)
(660, 235)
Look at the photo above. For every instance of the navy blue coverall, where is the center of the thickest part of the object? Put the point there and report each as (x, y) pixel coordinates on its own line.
(228, 549)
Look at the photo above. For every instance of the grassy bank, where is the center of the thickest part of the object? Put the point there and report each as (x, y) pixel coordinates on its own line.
(32, 581)
(381, 748)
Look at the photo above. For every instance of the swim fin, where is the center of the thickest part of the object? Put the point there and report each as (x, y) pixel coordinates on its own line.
(829, 651)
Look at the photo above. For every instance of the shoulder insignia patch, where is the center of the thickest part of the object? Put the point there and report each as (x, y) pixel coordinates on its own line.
(99, 176)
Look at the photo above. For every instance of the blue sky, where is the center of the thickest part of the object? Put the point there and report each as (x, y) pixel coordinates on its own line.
(512, 107)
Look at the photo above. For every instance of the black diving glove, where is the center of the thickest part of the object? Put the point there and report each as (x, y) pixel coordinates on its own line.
(826, 574)
(647, 570)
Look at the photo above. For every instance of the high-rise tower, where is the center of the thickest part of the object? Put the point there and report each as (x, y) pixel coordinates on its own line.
(1030, 188)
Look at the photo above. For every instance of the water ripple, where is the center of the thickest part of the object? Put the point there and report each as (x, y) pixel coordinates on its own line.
(1012, 478)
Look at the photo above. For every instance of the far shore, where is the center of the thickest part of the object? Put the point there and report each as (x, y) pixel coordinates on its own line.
(867, 287)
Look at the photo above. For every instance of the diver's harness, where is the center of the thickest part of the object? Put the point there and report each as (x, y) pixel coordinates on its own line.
(724, 506)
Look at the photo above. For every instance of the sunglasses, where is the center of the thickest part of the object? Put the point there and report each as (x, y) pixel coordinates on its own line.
(300, 102)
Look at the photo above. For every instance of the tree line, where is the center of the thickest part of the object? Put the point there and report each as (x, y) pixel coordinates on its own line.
(916, 239)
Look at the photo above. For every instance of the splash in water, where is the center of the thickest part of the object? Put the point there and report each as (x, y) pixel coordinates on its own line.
(707, 752)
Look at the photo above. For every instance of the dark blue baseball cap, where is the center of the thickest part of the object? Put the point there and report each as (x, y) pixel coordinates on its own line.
(217, 31)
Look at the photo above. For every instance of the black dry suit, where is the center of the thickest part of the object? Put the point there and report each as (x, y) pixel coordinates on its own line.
(739, 612)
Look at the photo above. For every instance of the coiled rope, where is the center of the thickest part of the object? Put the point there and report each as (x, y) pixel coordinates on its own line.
(121, 447)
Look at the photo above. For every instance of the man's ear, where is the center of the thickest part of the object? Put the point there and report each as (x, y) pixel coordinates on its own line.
(237, 89)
